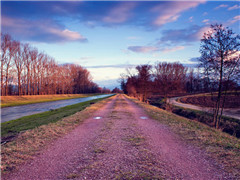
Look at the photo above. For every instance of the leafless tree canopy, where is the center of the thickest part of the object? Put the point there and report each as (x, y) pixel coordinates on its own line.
(26, 71)
(220, 62)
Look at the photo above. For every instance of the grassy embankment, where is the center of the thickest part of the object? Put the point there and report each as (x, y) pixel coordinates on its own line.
(36, 131)
(228, 125)
(7, 101)
(220, 146)
(11, 128)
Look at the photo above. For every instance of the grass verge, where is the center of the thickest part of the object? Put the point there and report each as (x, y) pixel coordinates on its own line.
(227, 124)
(14, 127)
(29, 142)
(222, 147)
(7, 101)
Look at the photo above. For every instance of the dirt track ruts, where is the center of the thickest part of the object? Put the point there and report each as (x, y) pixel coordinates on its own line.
(124, 144)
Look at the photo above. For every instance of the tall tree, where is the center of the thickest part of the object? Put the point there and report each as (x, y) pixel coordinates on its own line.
(220, 62)
(144, 77)
(19, 64)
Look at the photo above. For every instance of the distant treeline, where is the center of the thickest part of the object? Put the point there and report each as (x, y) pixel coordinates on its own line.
(26, 71)
(166, 79)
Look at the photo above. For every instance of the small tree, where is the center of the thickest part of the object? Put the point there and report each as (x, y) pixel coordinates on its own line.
(220, 62)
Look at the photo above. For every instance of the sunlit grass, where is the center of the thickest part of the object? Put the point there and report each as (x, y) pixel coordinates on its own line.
(13, 127)
(7, 101)
(221, 146)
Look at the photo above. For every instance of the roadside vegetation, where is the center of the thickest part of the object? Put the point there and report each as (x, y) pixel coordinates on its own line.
(220, 146)
(28, 142)
(8, 101)
(228, 125)
(11, 129)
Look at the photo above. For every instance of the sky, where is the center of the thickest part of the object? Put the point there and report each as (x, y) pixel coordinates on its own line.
(106, 37)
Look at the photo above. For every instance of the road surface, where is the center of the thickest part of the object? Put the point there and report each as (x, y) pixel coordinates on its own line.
(120, 141)
(231, 112)
(15, 112)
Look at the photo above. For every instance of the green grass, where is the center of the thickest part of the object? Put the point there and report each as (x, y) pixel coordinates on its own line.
(11, 128)
(227, 124)
(9, 101)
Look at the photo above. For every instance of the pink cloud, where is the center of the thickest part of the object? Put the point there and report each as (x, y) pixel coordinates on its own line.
(171, 11)
(142, 49)
(120, 13)
(234, 7)
(173, 49)
(41, 30)
(235, 19)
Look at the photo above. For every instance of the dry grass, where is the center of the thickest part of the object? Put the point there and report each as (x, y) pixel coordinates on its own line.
(20, 100)
(222, 147)
(27, 144)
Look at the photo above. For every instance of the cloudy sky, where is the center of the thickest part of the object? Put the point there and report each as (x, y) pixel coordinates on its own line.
(108, 36)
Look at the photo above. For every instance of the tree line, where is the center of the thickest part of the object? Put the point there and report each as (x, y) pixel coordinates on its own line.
(218, 71)
(163, 78)
(26, 71)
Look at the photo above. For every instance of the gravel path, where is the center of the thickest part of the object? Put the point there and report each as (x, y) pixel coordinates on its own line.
(123, 144)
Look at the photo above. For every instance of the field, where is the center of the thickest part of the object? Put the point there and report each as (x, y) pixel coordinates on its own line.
(7, 101)
(232, 100)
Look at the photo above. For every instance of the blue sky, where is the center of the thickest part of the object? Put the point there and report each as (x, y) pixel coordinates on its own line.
(108, 36)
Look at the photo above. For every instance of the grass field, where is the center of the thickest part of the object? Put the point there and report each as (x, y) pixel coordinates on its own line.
(7, 101)
(11, 128)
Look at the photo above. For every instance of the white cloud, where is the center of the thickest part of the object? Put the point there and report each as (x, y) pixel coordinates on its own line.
(67, 34)
(235, 19)
(206, 21)
(234, 7)
(177, 48)
(143, 49)
(221, 6)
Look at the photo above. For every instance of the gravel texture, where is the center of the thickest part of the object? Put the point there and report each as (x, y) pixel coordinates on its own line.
(123, 144)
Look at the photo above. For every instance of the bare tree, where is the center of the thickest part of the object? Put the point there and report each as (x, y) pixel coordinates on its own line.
(6, 60)
(144, 81)
(169, 78)
(18, 61)
(220, 62)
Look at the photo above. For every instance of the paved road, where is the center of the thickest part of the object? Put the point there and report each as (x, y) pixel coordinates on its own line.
(233, 112)
(122, 143)
(15, 112)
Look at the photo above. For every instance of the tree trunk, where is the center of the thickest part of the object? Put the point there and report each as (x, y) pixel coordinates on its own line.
(216, 115)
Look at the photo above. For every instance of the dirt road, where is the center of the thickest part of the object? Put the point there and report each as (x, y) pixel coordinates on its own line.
(120, 142)
(230, 112)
